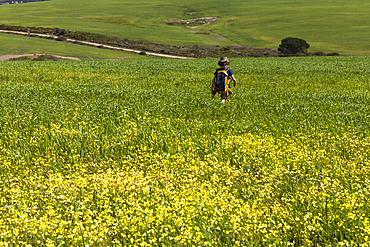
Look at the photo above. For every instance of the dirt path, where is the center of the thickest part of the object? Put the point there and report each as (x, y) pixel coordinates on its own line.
(7, 57)
(93, 44)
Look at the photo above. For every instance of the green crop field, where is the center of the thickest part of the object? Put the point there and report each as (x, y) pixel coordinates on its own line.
(330, 26)
(137, 153)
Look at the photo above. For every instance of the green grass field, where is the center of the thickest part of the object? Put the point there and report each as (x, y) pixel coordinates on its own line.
(136, 153)
(329, 26)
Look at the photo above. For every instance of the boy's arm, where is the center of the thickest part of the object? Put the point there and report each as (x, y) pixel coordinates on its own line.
(233, 78)
(213, 82)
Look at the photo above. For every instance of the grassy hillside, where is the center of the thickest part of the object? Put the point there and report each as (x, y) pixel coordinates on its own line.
(330, 26)
(14, 44)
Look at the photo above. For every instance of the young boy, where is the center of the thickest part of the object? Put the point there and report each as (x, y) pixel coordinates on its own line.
(220, 82)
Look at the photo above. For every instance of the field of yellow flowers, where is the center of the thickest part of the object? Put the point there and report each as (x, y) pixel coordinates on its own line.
(137, 153)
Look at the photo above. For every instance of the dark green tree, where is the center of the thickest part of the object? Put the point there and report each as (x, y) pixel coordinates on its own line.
(293, 45)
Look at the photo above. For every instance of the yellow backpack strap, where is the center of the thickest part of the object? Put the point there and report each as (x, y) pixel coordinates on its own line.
(227, 84)
(226, 80)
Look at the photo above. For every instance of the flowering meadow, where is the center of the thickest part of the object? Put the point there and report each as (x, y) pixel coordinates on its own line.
(137, 153)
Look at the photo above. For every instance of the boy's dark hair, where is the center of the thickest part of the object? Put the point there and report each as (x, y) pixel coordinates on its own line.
(223, 64)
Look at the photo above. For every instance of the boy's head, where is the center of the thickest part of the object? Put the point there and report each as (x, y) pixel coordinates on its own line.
(223, 61)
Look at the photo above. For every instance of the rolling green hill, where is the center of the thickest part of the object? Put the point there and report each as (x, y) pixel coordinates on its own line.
(14, 44)
(327, 25)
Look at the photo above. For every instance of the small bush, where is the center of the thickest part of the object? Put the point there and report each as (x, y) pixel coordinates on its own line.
(333, 54)
(60, 38)
(45, 58)
(319, 53)
(293, 45)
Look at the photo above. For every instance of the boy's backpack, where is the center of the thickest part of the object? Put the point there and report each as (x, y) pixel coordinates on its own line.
(221, 84)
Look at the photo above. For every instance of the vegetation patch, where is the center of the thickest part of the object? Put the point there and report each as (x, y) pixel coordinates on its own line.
(118, 20)
(203, 33)
(190, 13)
(209, 35)
(36, 58)
(193, 23)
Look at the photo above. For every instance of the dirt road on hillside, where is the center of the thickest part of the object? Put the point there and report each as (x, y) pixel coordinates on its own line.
(94, 44)
(7, 57)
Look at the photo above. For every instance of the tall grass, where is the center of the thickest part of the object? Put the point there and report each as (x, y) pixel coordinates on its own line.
(328, 26)
(137, 153)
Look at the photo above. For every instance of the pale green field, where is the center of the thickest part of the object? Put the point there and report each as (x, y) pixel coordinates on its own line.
(329, 26)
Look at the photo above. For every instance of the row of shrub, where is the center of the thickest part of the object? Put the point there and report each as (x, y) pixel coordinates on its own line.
(196, 51)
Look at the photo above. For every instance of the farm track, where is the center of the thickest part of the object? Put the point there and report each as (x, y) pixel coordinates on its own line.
(7, 57)
(94, 44)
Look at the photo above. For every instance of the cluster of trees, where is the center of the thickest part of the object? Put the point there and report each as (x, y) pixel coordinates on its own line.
(288, 47)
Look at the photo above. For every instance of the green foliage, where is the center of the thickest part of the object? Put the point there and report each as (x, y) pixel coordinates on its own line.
(293, 46)
(319, 53)
(333, 54)
(36, 58)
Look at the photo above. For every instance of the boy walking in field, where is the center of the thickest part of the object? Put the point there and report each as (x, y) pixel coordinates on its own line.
(221, 81)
